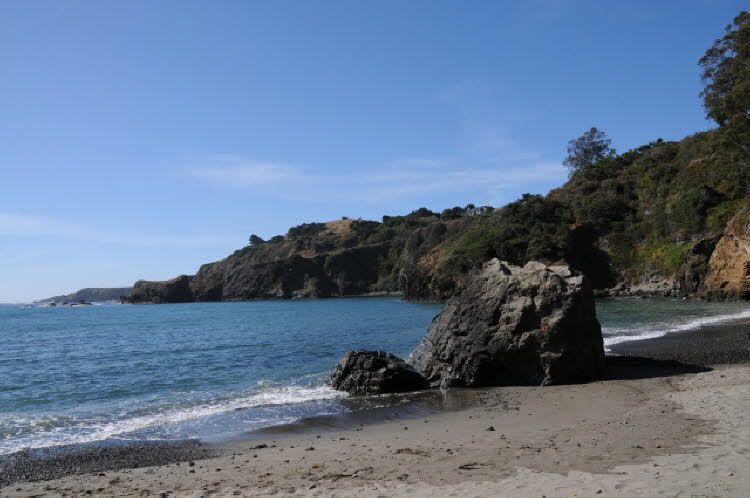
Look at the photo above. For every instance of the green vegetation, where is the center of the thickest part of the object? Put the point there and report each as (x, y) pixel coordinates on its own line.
(640, 210)
(306, 229)
(532, 227)
(589, 148)
(663, 256)
(726, 74)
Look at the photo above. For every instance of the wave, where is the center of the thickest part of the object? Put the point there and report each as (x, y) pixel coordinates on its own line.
(616, 335)
(49, 431)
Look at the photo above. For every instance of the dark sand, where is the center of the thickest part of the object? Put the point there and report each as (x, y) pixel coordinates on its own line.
(710, 345)
(57, 462)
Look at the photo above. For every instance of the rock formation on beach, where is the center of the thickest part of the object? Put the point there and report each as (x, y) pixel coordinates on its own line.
(507, 324)
(728, 272)
(375, 372)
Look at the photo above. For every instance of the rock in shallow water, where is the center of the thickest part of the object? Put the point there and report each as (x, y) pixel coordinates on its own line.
(514, 325)
(375, 372)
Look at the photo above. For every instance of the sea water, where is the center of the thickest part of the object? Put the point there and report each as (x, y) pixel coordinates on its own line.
(215, 371)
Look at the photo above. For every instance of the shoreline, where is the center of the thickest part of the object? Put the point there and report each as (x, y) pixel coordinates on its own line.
(458, 439)
(715, 344)
(648, 427)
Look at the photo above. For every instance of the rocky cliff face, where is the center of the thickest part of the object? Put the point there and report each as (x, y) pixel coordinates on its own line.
(422, 277)
(692, 275)
(280, 272)
(514, 325)
(176, 290)
(728, 273)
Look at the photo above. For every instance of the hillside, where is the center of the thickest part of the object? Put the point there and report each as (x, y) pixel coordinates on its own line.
(630, 222)
(667, 218)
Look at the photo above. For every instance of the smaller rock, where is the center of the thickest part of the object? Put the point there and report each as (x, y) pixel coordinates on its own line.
(375, 372)
(490, 428)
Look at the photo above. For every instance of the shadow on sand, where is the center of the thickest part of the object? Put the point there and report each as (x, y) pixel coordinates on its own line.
(641, 367)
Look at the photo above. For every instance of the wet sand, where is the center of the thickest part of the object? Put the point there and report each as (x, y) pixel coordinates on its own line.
(57, 462)
(652, 427)
(709, 345)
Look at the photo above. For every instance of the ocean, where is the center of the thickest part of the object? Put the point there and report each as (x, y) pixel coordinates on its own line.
(216, 371)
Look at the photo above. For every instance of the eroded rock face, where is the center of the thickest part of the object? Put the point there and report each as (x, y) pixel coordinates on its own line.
(693, 272)
(375, 372)
(176, 290)
(514, 325)
(272, 274)
(728, 276)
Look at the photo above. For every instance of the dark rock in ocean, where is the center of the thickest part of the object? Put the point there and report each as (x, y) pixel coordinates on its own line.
(514, 325)
(375, 372)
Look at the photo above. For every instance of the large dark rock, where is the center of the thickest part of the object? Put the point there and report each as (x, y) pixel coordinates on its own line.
(375, 372)
(512, 325)
(693, 272)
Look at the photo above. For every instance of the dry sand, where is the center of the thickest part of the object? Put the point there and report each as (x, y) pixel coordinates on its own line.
(647, 432)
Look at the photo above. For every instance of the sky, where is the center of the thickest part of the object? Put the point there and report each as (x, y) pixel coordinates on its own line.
(141, 139)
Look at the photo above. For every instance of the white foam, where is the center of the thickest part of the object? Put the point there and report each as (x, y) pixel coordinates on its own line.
(97, 431)
(618, 335)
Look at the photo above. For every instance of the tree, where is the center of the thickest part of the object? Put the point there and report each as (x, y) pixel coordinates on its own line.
(422, 212)
(255, 240)
(452, 213)
(586, 150)
(726, 74)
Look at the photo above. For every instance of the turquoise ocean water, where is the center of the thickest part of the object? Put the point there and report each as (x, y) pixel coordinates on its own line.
(215, 370)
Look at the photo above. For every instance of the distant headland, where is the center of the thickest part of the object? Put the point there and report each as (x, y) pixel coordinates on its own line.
(91, 295)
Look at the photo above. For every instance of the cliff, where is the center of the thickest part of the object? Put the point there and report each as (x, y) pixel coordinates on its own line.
(728, 269)
(331, 263)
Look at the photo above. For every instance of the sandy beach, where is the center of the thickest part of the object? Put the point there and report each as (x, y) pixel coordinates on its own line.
(650, 428)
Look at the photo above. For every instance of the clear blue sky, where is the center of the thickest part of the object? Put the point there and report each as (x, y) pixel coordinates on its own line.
(140, 139)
